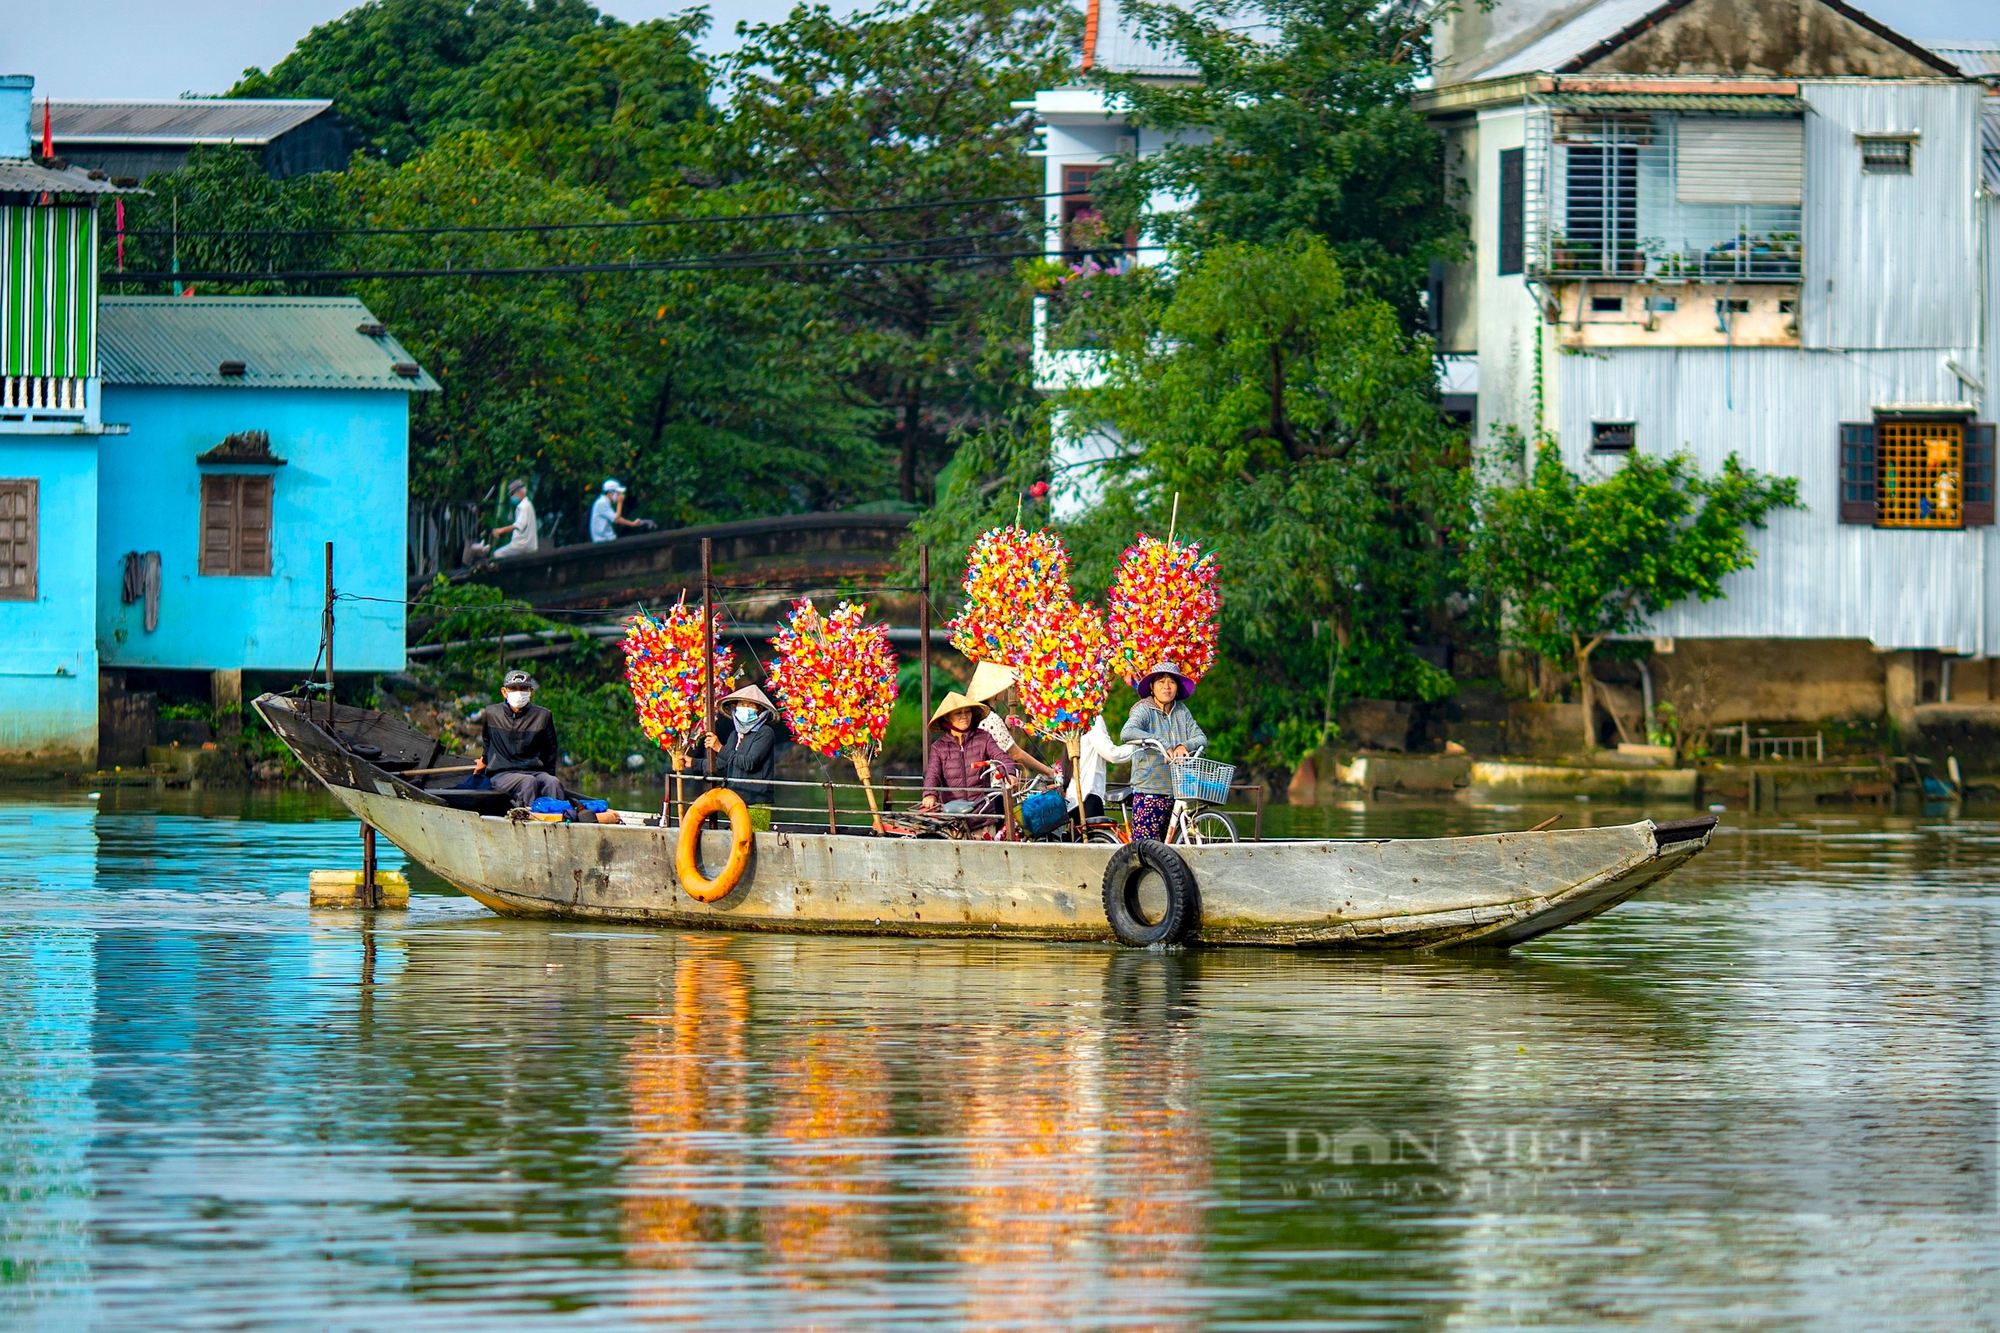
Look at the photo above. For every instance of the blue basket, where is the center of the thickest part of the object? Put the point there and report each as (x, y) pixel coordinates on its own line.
(1043, 813)
(1202, 780)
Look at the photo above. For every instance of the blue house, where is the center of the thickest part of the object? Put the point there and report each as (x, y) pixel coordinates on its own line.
(260, 429)
(50, 427)
(186, 532)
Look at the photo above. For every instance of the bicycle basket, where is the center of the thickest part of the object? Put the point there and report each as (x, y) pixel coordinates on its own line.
(1202, 780)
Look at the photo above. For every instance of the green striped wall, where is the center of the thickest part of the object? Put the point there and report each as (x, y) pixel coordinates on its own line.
(48, 291)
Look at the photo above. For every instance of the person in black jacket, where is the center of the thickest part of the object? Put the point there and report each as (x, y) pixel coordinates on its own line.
(522, 753)
(746, 759)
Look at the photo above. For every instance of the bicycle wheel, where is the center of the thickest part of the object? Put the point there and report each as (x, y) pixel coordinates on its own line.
(1106, 834)
(1210, 826)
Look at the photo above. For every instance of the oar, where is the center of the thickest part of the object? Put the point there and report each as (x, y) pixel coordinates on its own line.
(427, 772)
(1545, 823)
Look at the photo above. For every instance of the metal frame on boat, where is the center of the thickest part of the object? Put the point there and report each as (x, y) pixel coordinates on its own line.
(1486, 891)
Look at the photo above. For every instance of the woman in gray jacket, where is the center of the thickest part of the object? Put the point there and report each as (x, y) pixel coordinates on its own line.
(1160, 715)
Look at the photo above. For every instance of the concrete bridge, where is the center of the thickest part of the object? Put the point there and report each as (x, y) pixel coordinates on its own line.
(793, 550)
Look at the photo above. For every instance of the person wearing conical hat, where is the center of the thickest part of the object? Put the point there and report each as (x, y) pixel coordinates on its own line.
(963, 759)
(745, 760)
(1162, 716)
(991, 682)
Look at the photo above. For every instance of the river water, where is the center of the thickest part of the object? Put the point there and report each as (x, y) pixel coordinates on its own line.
(1760, 1095)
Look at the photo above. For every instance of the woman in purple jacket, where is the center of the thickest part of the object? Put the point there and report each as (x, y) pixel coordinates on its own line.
(964, 759)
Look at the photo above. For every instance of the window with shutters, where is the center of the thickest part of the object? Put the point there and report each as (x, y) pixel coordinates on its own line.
(236, 525)
(1898, 473)
(1513, 210)
(20, 538)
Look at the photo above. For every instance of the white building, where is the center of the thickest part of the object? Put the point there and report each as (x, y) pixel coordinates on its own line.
(1760, 227)
(1764, 227)
(1083, 131)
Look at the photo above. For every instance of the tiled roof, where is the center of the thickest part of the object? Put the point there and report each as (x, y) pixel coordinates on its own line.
(181, 122)
(295, 342)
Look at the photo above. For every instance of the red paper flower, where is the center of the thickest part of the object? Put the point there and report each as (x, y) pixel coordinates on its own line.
(835, 679)
(663, 669)
(1164, 602)
(1009, 574)
(1064, 674)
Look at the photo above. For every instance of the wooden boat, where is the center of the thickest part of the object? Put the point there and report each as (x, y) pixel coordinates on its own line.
(1488, 891)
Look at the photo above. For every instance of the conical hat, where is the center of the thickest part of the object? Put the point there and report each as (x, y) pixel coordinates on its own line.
(989, 680)
(750, 694)
(952, 703)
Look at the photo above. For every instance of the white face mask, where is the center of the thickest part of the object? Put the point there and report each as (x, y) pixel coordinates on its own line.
(746, 714)
(518, 699)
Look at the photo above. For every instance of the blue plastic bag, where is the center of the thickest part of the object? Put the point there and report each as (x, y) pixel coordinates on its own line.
(1043, 813)
(550, 805)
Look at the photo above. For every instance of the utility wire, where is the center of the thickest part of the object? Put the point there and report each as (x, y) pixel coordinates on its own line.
(603, 225)
(557, 270)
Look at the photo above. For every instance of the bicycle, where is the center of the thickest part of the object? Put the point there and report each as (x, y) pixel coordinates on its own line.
(1198, 782)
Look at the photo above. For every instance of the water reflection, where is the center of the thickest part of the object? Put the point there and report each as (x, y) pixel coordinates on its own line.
(456, 1120)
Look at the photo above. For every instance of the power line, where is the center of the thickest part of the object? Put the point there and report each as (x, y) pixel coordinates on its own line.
(621, 223)
(703, 265)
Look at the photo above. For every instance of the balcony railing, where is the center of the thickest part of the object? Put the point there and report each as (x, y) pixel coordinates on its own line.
(42, 393)
(1742, 258)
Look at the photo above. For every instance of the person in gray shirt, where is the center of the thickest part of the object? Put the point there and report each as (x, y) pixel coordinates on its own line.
(1160, 715)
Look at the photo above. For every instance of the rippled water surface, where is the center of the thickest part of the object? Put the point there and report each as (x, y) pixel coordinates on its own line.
(1760, 1095)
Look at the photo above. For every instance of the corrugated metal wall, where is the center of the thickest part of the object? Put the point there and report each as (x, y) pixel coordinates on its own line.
(1780, 411)
(1888, 257)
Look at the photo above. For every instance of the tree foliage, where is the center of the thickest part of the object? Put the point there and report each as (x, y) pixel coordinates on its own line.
(1300, 121)
(898, 107)
(403, 72)
(1299, 427)
(1576, 562)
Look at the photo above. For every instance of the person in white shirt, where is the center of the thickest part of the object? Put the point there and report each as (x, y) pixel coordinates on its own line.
(607, 515)
(991, 681)
(1093, 763)
(521, 532)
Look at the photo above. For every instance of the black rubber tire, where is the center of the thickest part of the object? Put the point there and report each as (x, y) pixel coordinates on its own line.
(1121, 878)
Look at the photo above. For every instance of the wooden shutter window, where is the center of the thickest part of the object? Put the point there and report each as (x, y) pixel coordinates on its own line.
(236, 526)
(1979, 474)
(1857, 473)
(20, 537)
(1513, 210)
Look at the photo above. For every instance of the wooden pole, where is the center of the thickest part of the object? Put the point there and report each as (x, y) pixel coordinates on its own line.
(707, 636)
(329, 638)
(370, 896)
(924, 647)
(832, 823)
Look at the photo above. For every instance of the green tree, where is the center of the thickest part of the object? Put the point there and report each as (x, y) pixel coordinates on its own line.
(902, 105)
(1575, 562)
(1299, 426)
(712, 393)
(222, 213)
(1308, 128)
(402, 72)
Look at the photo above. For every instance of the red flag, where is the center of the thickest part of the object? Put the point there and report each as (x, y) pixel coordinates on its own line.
(48, 136)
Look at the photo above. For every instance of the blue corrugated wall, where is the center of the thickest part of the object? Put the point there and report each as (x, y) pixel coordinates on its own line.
(345, 480)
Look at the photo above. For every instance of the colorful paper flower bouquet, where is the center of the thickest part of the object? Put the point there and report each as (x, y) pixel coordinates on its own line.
(835, 682)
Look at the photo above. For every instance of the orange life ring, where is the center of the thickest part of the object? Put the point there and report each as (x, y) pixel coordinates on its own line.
(687, 855)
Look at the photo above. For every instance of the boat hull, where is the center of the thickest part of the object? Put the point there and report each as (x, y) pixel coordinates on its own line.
(1489, 891)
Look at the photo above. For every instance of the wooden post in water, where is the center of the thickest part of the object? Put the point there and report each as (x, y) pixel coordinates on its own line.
(329, 638)
(371, 897)
(924, 649)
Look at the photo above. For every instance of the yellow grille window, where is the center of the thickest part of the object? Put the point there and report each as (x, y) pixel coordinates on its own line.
(1918, 474)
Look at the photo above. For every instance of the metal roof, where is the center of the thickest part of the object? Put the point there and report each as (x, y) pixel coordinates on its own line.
(1978, 60)
(19, 175)
(1737, 103)
(285, 342)
(190, 121)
